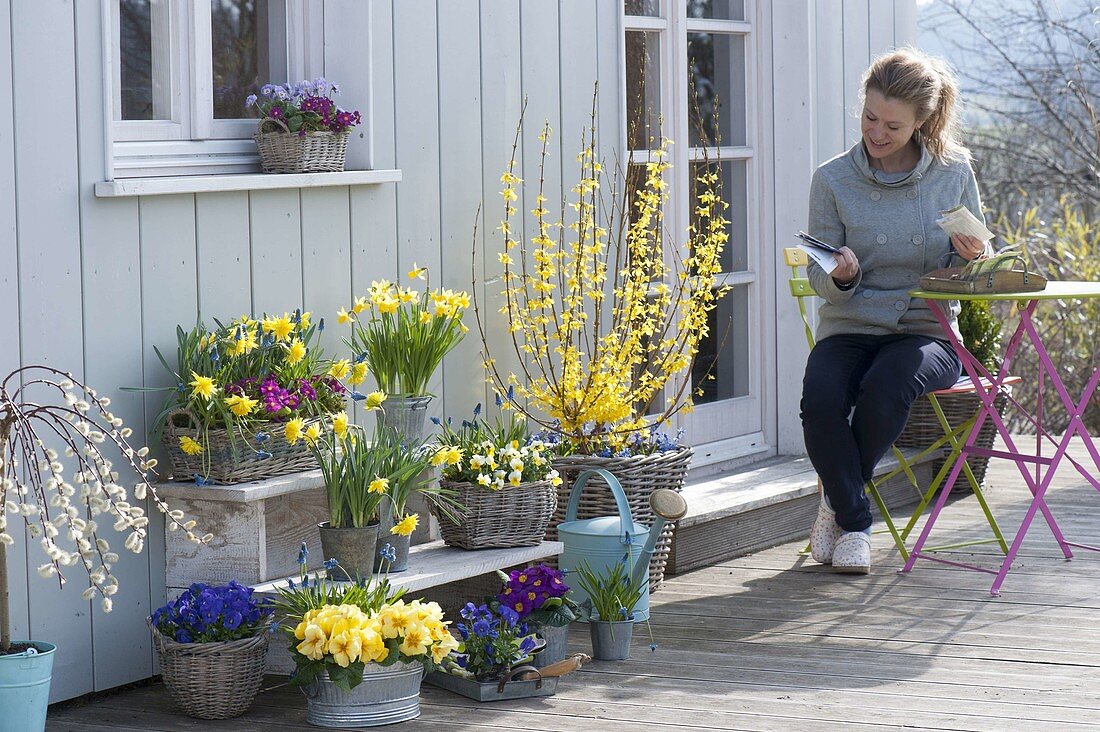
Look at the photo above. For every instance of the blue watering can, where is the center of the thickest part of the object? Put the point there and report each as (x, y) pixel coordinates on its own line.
(603, 541)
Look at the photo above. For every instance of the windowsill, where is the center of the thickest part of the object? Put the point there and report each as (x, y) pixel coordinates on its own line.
(249, 182)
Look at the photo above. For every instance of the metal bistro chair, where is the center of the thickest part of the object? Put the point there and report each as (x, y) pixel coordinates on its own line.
(953, 438)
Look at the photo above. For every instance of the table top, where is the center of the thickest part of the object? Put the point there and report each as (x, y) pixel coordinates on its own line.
(1055, 290)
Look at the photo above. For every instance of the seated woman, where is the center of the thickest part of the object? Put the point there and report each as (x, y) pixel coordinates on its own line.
(878, 349)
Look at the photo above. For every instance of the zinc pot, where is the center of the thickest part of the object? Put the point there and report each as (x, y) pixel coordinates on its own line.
(388, 694)
(557, 642)
(406, 414)
(400, 546)
(25, 688)
(611, 639)
(353, 548)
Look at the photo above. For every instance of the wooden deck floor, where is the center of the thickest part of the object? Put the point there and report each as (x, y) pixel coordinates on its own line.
(773, 642)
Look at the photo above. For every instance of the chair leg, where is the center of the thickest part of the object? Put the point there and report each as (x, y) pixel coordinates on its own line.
(885, 513)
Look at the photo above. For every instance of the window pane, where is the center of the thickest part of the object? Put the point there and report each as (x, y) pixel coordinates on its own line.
(724, 351)
(642, 7)
(717, 9)
(144, 60)
(735, 193)
(248, 51)
(716, 71)
(643, 90)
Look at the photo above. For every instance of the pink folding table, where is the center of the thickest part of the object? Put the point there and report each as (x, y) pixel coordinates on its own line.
(1044, 466)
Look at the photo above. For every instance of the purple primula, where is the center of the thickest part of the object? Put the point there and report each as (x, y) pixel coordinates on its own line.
(207, 613)
(305, 107)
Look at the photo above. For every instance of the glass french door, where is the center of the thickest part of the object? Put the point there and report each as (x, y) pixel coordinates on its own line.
(687, 71)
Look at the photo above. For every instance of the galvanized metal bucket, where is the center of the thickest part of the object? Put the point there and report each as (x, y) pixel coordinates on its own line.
(406, 414)
(387, 695)
(557, 644)
(602, 542)
(352, 547)
(611, 640)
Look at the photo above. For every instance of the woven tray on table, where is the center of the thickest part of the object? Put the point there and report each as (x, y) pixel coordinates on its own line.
(509, 517)
(282, 151)
(214, 680)
(923, 428)
(228, 459)
(640, 476)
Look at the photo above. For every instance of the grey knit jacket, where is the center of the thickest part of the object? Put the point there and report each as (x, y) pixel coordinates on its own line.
(891, 227)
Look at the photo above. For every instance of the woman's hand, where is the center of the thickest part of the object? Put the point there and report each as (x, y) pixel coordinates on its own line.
(968, 247)
(847, 267)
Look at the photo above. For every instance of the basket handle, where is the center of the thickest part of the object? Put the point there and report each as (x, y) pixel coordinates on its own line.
(616, 490)
(277, 122)
(513, 673)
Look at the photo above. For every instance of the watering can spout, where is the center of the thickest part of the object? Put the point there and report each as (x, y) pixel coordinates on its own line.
(667, 505)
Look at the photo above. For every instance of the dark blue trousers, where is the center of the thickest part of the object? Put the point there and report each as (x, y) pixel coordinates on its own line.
(874, 380)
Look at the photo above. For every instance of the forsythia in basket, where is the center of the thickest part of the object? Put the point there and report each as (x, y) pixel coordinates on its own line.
(603, 320)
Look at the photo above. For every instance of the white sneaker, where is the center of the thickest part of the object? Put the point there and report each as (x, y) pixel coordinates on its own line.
(852, 554)
(825, 531)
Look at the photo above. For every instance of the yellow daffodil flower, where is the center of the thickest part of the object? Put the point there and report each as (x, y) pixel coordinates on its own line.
(406, 526)
(425, 317)
(374, 400)
(417, 273)
(387, 304)
(312, 433)
(342, 317)
(281, 328)
(340, 425)
(293, 430)
(189, 446)
(378, 485)
(240, 405)
(304, 322)
(202, 386)
(358, 374)
(340, 369)
(296, 352)
(359, 305)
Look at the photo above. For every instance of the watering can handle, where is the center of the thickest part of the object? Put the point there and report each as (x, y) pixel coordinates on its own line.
(616, 491)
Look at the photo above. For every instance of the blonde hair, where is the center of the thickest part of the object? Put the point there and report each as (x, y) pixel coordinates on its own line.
(928, 84)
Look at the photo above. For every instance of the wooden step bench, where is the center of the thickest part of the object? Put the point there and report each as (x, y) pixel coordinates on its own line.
(764, 505)
(452, 577)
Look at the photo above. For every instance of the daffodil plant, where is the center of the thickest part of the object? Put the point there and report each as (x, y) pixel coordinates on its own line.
(604, 310)
(47, 419)
(254, 377)
(401, 334)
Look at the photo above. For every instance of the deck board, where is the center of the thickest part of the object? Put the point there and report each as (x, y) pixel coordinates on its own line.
(772, 641)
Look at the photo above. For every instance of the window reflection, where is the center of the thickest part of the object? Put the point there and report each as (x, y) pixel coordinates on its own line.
(716, 9)
(721, 368)
(716, 73)
(643, 89)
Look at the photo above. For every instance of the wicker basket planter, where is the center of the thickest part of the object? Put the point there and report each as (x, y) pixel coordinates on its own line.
(923, 428)
(510, 517)
(212, 680)
(640, 476)
(228, 459)
(282, 151)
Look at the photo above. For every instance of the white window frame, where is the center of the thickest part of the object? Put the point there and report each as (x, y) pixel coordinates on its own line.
(720, 424)
(192, 142)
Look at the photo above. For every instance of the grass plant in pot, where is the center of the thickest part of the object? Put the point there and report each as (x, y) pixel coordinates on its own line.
(502, 478)
(360, 650)
(47, 419)
(606, 314)
(541, 597)
(212, 642)
(612, 595)
(243, 397)
(400, 335)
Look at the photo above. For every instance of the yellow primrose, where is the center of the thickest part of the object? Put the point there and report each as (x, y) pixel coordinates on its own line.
(358, 374)
(313, 643)
(416, 641)
(340, 369)
(378, 485)
(406, 526)
(240, 405)
(189, 446)
(417, 273)
(296, 352)
(202, 386)
(340, 425)
(443, 647)
(293, 430)
(345, 648)
(394, 619)
(372, 646)
(374, 400)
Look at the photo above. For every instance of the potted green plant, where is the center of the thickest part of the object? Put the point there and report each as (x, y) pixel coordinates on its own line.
(301, 130)
(612, 595)
(541, 597)
(361, 476)
(247, 396)
(360, 650)
(211, 642)
(49, 418)
(502, 478)
(400, 335)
